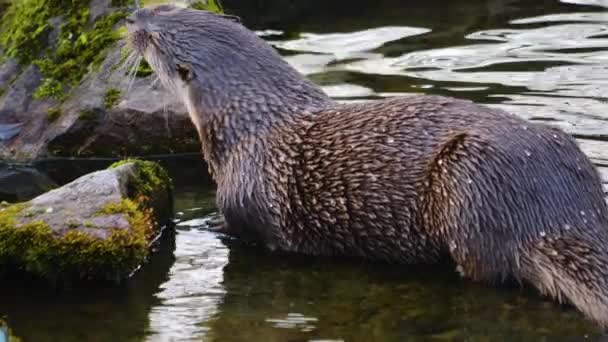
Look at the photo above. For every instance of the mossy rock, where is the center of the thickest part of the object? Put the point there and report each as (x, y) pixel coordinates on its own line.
(101, 227)
(61, 37)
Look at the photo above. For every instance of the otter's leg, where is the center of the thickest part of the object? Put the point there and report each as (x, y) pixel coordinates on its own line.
(217, 223)
(530, 207)
(571, 268)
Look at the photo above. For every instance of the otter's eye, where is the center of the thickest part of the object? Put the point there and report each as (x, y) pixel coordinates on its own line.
(184, 71)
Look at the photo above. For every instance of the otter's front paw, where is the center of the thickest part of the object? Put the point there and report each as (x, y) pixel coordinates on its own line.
(217, 223)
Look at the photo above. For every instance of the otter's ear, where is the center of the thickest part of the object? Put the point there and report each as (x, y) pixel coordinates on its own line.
(184, 71)
(231, 18)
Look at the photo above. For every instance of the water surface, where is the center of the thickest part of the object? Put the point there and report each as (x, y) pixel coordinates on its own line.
(544, 60)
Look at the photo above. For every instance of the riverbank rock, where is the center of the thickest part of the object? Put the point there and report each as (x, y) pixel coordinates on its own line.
(64, 90)
(102, 226)
(20, 183)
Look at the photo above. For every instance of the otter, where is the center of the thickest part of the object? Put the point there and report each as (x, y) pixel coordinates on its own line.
(413, 179)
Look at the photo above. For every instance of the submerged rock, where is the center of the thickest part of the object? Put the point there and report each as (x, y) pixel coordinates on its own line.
(21, 183)
(101, 226)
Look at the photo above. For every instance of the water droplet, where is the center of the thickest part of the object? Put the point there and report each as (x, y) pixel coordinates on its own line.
(525, 128)
(440, 162)
(528, 153)
(583, 212)
(470, 181)
(390, 140)
(543, 234)
(554, 252)
(49, 210)
(567, 227)
(555, 136)
(453, 246)
(585, 221)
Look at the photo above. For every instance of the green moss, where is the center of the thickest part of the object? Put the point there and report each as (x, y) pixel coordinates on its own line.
(25, 28)
(150, 176)
(111, 98)
(53, 114)
(2, 91)
(69, 254)
(80, 45)
(144, 69)
(49, 88)
(75, 255)
(87, 115)
(121, 3)
(208, 5)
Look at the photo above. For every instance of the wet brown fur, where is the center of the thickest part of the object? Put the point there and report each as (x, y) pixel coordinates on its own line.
(408, 179)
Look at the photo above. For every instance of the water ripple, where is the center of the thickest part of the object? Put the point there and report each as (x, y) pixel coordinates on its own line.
(194, 289)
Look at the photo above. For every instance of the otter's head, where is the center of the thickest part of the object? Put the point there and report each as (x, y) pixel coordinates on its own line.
(213, 62)
(174, 40)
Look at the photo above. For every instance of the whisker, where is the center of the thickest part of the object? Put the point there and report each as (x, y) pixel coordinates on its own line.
(154, 83)
(166, 115)
(133, 74)
(128, 62)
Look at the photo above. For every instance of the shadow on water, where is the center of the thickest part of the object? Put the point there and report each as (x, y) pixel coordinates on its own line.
(36, 313)
(544, 60)
(299, 299)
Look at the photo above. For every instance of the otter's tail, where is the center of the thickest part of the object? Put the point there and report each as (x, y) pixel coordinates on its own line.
(571, 269)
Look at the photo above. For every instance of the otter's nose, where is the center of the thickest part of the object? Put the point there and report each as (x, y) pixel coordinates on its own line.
(138, 17)
(136, 20)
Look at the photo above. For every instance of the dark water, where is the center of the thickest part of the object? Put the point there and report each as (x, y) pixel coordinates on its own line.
(544, 60)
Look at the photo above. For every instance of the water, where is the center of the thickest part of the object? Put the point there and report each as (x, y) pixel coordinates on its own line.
(544, 60)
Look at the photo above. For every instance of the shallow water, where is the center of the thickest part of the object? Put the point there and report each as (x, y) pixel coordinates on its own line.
(544, 60)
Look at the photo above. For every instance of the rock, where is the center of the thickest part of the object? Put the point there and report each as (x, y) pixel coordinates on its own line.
(101, 226)
(21, 183)
(8, 70)
(144, 119)
(102, 116)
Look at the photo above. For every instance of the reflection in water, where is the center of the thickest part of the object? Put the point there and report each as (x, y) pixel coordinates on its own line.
(546, 61)
(349, 45)
(194, 290)
(37, 313)
(602, 3)
(271, 298)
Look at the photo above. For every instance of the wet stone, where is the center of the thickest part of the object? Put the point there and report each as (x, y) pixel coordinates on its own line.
(98, 227)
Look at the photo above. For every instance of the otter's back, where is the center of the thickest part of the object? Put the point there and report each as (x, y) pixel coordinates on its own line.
(363, 182)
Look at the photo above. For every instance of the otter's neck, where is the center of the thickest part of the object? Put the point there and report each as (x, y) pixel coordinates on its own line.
(241, 104)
